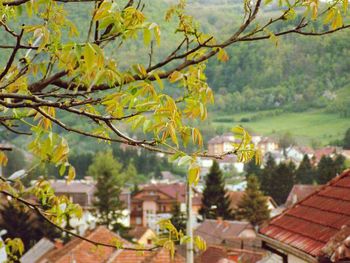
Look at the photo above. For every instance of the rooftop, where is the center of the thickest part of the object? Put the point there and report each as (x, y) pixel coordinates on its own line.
(310, 224)
(79, 250)
(75, 186)
(216, 231)
(176, 191)
(299, 192)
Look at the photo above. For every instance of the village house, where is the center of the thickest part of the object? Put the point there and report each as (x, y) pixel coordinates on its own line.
(221, 144)
(81, 251)
(299, 192)
(307, 231)
(142, 235)
(266, 145)
(82, 192)
(155, 201)
(236, 196)
(216, 231)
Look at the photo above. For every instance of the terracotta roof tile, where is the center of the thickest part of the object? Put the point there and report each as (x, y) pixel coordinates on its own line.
(157, 256)
(216, 231)
(299, 192)
(84, 252)
(312, 222)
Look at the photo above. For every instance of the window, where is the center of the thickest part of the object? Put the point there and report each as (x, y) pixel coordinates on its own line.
(138, 221)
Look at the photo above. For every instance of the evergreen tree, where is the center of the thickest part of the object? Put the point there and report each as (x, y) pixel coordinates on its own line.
(131, 172)
(305, 172)
(253, 206)
(282, 181)
(178, 218)
(346, 140)
(251, 168)
(325, 170)
(214, 195)
(266, 175)
(18, 223)
(108, 174)
(339, 164)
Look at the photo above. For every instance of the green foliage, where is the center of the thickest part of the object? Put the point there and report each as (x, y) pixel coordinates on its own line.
(325, 170)
(346, 140)
(107, 171)
(252, 168)
(267, 174)
(16, 161)
(253, 206)
(329, 167)
(27, 226)
(277, 180)
(305, 173)
(215, 202)
(282, 181)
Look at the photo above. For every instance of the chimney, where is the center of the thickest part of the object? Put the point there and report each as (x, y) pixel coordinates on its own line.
(58, 243)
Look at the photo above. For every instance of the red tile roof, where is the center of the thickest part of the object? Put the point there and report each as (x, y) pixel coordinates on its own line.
(223, 254)
(174, 191)
(324, 152)
(299, 192)
(84, 252)
(216, 231)
(157, 256)
(311, 223)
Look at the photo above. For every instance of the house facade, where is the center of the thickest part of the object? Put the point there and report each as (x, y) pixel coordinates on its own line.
(155, 201)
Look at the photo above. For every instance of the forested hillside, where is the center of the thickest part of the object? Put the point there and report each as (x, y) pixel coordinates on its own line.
(287, 75)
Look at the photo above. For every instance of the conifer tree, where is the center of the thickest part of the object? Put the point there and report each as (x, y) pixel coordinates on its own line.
(252, 168)
(253, 206)
(18, 221)
(215, 202)
(325, 170)
(339, 164)
(346, 140)
(267, 174)
(107, 171)
(305, 172)
(282, 181)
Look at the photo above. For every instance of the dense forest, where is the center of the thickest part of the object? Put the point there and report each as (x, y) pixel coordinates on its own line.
(288, 74)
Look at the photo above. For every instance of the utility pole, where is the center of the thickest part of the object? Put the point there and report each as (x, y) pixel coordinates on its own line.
(189, 226)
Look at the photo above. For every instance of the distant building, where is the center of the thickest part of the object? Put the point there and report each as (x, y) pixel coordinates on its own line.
(236, 196)
(221, 144)
(299, 192)
(266, 145)
(226, 164)
(306, 232)
(155, 201)
(326, 151)
(82, 192)
(81, 251)
(142, 235)
(216, 231)
(225, 254)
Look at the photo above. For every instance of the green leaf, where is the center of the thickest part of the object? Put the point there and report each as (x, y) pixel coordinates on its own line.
(175, 76)
(147, 36)
(222, 55)
(193, 175)
(71, 173)
(185, 160)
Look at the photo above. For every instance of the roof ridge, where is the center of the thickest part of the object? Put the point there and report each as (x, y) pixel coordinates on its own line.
(330, 183)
